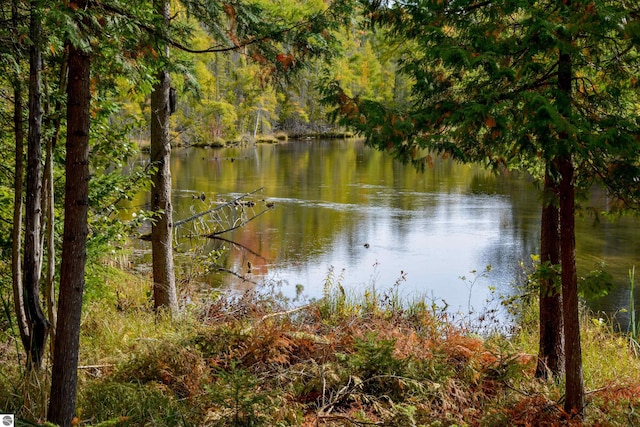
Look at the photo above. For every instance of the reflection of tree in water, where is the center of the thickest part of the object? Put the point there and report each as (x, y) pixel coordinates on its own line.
(609, 244)
(519, 224)
(334, 196)
(200, 234)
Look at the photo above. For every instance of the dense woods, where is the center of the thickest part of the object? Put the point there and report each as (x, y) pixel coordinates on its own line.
(547, 87)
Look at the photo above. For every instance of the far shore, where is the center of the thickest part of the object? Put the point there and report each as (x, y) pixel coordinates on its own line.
(273, 138)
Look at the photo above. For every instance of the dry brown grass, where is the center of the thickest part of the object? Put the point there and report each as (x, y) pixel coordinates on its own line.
(255, 361)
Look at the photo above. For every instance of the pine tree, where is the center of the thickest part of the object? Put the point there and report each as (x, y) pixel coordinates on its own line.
(65, 359)
(549, 86)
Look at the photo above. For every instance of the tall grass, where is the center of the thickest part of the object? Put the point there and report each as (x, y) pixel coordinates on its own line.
(344, 360)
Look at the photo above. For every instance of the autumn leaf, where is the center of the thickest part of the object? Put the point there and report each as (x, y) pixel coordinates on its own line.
(260, 59)
(72, 6)
(490, 122)
(230, 11)
(286, 59)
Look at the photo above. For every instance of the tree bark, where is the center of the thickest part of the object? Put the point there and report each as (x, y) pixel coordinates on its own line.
(164, 285)
(65, 363)
(574, 386)
(38, 324)
(16, 234)
(551, 346)
(48, 196)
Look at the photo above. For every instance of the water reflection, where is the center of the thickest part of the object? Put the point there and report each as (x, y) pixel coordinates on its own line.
(344, 206)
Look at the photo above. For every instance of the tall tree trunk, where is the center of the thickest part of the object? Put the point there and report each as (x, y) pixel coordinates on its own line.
(65, 361)
(16, 233)
(54, 123)
(574, 387)
(50, 278)
(551, 351)
(38, 324)
(164, 284)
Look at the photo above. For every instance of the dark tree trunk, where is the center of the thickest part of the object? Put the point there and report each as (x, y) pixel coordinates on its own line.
(38, 324)
(54, 122)
(574, 387)
(551, 352)
(16, 234)
(65, 363)
(164, 285)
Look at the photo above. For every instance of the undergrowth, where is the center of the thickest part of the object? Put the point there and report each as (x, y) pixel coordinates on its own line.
(254, 360)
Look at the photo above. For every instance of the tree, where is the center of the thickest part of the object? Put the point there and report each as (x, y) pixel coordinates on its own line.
(79, 92)
(16, 235)
(64, 378)
(564, 162)
(164, 282)
(53, 123)
(551, 345)
(37, 322)
(548, 86)
(275, 44)
(33, 326)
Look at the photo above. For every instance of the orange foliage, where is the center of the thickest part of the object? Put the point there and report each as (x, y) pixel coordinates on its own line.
(538, 410)
(230, 11)
(349, 109)
(286, 59)
(490, 122)
(260, 59)
(71, 5)
(462, 348)
(611, 396)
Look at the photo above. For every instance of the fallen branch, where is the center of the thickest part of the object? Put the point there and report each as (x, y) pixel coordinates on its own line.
(284, 313)
(233, 273)
(240, 245)
(201, 214)
(106, 365)
(243, 223)
(279, 313)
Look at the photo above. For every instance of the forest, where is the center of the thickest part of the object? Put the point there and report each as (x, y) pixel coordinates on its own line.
(546, 87)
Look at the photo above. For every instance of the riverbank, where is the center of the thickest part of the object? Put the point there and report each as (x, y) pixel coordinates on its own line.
(256, 360)
(273, 138)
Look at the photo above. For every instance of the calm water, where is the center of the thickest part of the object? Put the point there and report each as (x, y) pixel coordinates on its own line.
(342, 207)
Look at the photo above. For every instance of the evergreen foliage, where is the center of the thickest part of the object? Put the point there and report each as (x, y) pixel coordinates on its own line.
(547, 86)
(485, 86)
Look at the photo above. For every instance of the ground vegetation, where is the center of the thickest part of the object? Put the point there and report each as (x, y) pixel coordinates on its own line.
(254, 359)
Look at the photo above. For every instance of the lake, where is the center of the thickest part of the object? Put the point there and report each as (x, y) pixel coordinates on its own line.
(346, 212)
